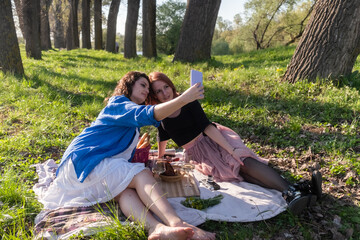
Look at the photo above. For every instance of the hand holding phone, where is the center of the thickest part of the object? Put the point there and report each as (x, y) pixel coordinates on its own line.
(196, 77)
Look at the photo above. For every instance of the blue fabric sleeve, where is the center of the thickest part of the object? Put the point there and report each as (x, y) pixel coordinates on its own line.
(120, 111)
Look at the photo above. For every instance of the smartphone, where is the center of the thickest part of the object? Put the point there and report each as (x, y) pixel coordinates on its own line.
(196, 77)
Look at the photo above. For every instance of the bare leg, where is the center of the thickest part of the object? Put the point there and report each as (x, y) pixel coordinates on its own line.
(133, 208)
(261, 174)
(153, 198)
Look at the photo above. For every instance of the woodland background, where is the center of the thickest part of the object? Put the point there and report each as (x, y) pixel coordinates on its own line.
(284, 75)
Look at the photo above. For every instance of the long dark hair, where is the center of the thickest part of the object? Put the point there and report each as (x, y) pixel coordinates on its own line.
(126, 83)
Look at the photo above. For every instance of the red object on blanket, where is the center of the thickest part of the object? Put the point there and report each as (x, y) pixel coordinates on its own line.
(141, 155)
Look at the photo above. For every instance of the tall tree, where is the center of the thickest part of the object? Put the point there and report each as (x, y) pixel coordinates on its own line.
(111, 26)
(275, 21)
(266, 12)
(75, 23)
(31, 17)
(85, 24)
(149, 28)
(10, 58)
(98, 24)
(18, 7)
(72, 33)
(130, 28)
(197, 31)
(330, 43)
(58, 30)
(45, 25)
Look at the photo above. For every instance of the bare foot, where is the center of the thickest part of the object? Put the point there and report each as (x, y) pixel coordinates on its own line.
(162, 232)
(199, 234)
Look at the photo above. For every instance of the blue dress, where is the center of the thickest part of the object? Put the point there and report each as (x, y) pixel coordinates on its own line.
(96, 166)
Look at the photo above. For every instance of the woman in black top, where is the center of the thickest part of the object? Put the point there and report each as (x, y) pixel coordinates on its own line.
(219, 151)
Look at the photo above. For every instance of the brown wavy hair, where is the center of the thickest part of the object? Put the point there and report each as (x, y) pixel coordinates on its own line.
(126, 83)
(159, 76)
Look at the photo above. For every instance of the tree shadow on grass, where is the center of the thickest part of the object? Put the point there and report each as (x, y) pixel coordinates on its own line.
(339, 200)
(282, 132)
(76, 98)
(256, 59)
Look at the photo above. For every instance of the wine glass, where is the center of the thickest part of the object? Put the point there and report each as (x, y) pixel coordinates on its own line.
(158, 167)
(188, 167)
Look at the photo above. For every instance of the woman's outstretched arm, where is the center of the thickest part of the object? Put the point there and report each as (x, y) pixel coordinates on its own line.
(163, 110)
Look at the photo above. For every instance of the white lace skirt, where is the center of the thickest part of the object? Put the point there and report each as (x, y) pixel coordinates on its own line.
(109, 178)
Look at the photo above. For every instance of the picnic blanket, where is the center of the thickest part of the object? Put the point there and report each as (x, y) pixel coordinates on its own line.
(242, 202)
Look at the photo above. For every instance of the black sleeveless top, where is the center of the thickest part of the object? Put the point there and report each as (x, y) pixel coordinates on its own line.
(186, 126)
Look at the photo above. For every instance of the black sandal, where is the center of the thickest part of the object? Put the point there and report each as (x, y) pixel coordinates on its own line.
(298, 204)
(298, 201)
(311, 187)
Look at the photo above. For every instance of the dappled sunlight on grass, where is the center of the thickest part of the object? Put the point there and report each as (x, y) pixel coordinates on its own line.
(302, 123)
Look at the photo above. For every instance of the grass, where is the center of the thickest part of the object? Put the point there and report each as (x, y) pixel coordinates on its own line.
(303, 123)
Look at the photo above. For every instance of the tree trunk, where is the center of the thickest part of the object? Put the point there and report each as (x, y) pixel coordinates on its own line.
(10, 58)
(31, 17)
(70, 43)
(197, 31)
(98, 25)
(18, 7)
(85, 24)
(59, 34)
(44, 25)
(111, 26)
(130, 28)
(149, 28)
(72, 33)
(330, 43)
(76, 23)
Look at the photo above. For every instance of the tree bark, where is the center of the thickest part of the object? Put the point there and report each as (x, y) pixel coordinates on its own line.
(85, 24)
(98, 24)
(18, 7)
(197, 31)
(31, 17)
(72, 33)
(76, 23)
(330, 42)
(149, 28)
(59, 34)
(130, 28)
(111, 26)
(45, 25)
(70, 42)
(10, 58)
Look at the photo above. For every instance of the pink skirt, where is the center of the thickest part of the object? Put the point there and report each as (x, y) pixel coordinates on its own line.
(211, 159)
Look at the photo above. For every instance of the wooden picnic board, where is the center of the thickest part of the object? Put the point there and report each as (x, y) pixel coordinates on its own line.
(181, 188)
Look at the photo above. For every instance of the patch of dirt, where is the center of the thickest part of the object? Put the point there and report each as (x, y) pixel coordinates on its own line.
(322, 218)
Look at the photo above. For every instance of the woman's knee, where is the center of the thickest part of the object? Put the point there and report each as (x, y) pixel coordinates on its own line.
(145, 174)
(248, 159)
(249, 164)
(142, 177)
(128, 193)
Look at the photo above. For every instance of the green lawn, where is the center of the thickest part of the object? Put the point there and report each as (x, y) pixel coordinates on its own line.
(298, 126)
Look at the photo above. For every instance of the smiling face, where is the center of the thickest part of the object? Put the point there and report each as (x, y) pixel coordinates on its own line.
(163, 92)
(140, 91)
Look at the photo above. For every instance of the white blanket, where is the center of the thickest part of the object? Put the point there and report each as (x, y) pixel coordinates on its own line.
(242, 202)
